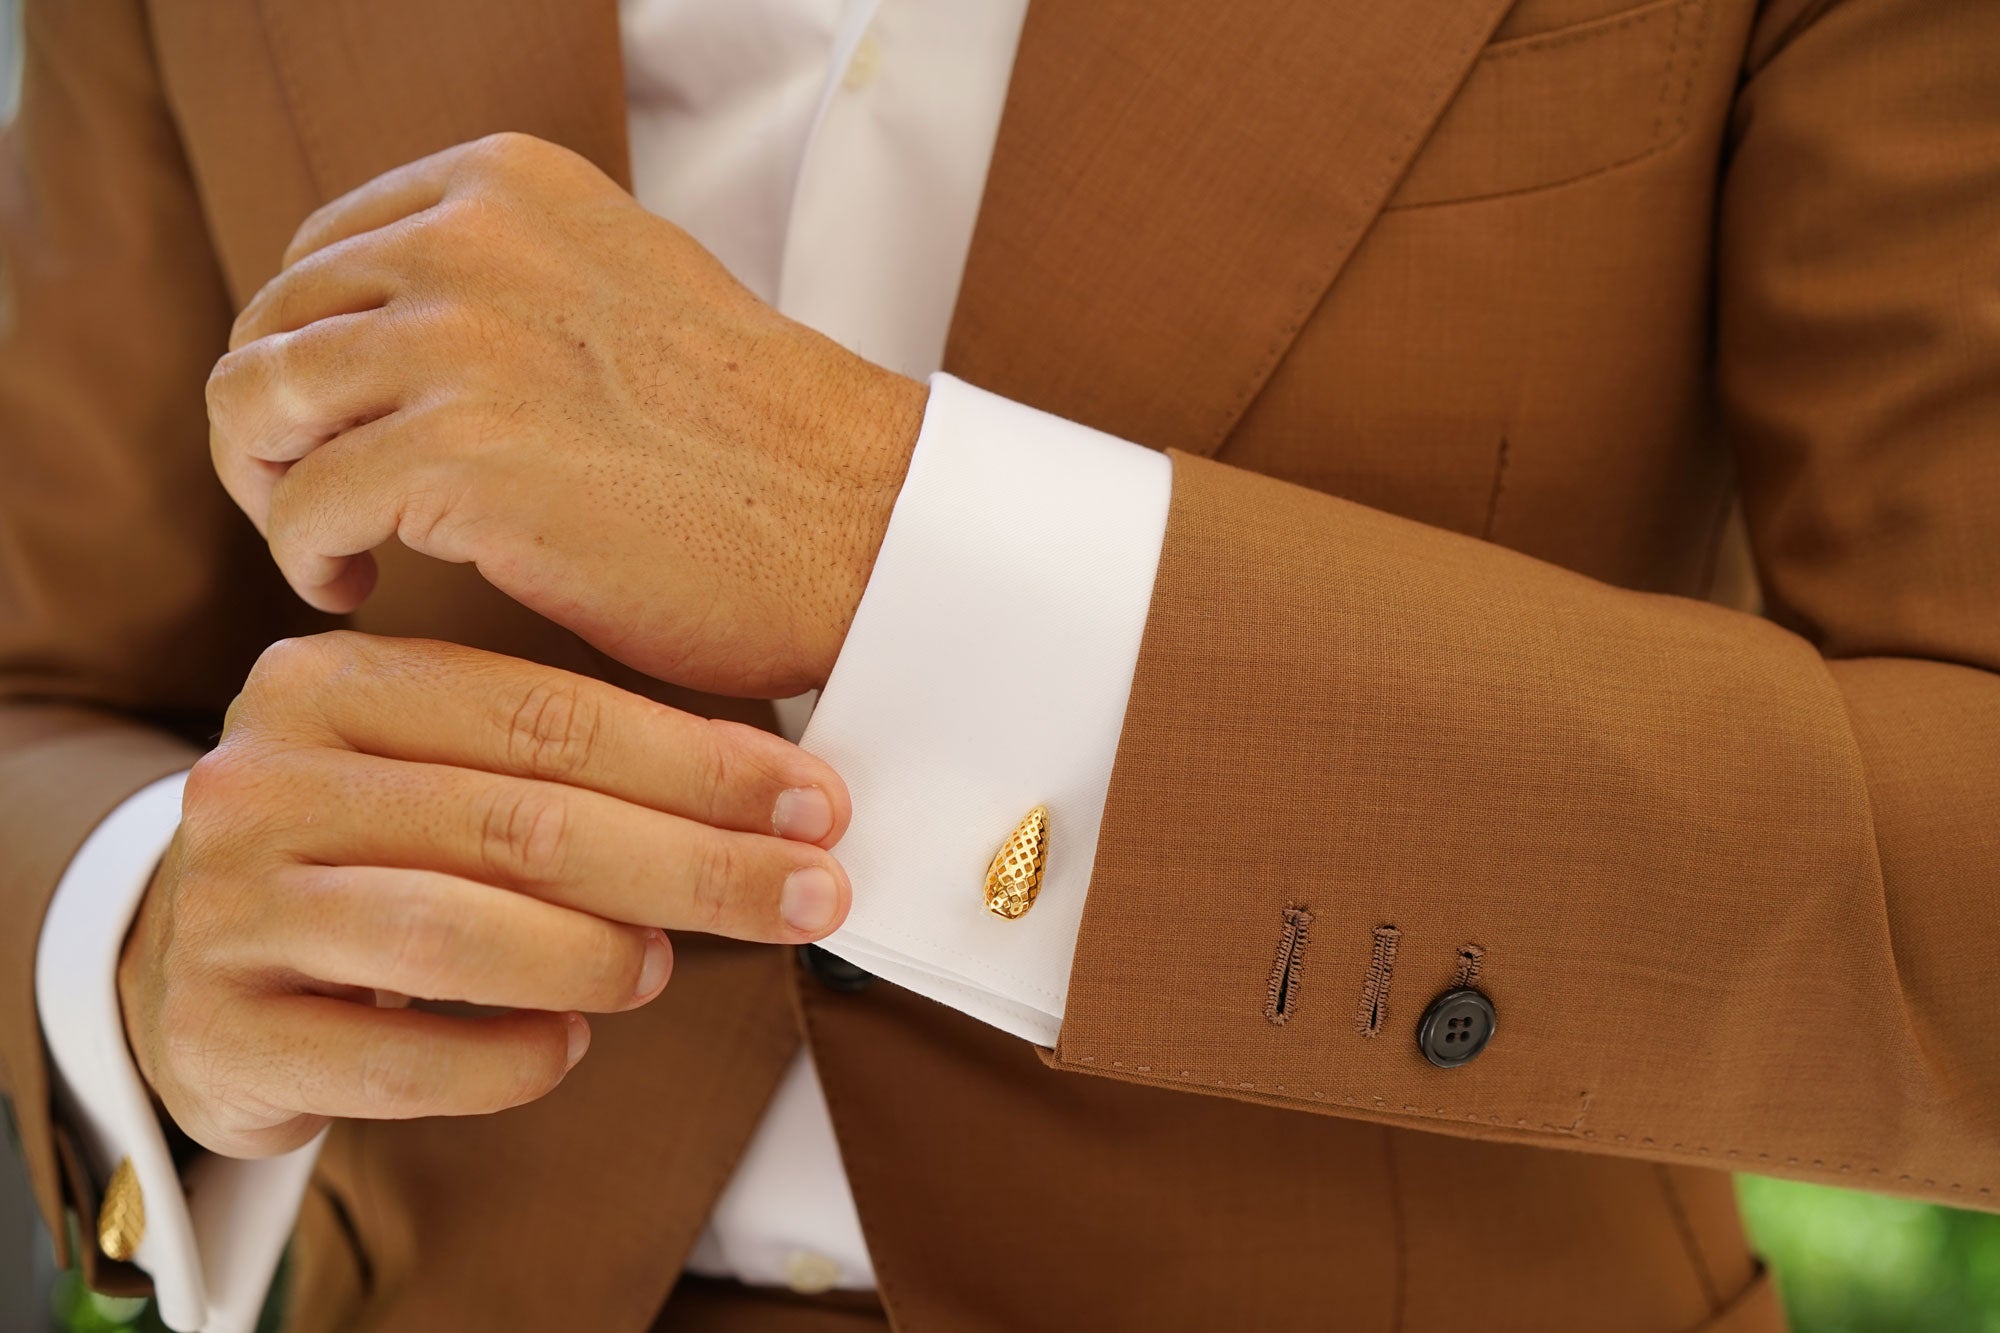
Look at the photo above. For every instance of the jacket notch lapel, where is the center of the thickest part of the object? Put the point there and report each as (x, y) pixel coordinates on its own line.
(1175, 187)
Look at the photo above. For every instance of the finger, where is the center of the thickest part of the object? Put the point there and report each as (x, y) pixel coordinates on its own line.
(428, 181)
(438, 937)
(337, 1058)
(362, 272)
(276, 400)
(344, 498)
(390, 197)
(576, 848)
(499, 714)
(248, 481)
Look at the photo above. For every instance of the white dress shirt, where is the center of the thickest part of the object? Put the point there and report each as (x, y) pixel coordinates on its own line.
(832, 154)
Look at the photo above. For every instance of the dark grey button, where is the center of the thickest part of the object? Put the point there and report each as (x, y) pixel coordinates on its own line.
(832, 971)
(1455, 1028)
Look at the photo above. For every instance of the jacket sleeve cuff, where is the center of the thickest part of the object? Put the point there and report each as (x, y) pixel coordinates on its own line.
(986, 672)
(210, 1244)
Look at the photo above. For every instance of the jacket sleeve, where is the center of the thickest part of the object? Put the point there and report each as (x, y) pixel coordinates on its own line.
(132, 596)
(1729, 882)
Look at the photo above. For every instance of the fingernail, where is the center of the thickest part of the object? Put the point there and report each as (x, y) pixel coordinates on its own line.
(579, 1040)
(659, 962)
(809, 900)
(803, 813)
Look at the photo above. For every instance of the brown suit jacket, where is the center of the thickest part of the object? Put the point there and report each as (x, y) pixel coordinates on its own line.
(1470, 322)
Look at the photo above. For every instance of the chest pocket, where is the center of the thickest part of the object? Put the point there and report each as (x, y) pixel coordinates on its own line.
(1545, 105)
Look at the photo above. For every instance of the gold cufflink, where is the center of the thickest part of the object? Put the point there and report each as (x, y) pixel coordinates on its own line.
(121, 1218)
(1015, 876)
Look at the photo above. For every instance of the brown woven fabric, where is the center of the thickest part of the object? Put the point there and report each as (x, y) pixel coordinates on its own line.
(1472, 323)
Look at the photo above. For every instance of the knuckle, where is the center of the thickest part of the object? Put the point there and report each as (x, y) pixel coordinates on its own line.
(504, 150)
(524, 833)
(288, 660)
(425, 520)
(206, 1068)
(235, 807)
(427, 942)
(236, 718)
(215, 780)
(713, 767)
(754, 766)
(227, 816)
(306, 239)
(249, 317)
(262, 330)
(278, 681)
(553, 730)
(297, 355)
(458, 216)
(288, 674)
(343, 647)
(387, 1077)
(718, 870)
(311, 660)
(424, 255)
(231, 379)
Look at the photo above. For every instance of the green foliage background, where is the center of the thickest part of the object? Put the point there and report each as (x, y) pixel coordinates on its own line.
(1861, 1263)
(1846, 1263)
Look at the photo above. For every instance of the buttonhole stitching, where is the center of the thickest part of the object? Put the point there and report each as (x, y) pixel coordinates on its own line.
(1281, 993)
(1374, 1010)
(1470, 958)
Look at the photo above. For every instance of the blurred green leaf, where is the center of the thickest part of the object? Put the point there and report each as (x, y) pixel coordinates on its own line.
(77, 1309)
(1848, 1262)
(81, 1310)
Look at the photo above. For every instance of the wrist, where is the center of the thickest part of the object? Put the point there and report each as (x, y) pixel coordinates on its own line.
(883, 439)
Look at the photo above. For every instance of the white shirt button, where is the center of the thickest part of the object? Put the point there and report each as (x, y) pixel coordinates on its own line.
(865, 64)
(809, 1274)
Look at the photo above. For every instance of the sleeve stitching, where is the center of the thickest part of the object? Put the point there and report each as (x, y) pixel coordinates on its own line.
(1572, 1130)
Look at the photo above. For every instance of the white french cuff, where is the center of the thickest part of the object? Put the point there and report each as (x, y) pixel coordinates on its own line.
(987, 672)
(212, 1243)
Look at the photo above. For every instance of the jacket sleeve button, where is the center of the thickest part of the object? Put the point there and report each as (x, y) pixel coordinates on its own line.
(1456, 1028)
(832, 971)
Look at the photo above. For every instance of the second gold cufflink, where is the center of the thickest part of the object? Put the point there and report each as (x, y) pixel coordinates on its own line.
(1015, 876)
(121, 1217)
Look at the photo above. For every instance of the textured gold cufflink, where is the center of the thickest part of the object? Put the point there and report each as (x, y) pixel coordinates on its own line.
(1015, 876)
(121, 1218)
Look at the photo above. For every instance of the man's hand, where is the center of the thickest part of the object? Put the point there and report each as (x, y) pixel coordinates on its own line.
(388, 818)
(496, 355)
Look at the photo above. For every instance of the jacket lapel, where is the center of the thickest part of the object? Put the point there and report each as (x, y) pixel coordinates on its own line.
(1176, 185)
(375, 84)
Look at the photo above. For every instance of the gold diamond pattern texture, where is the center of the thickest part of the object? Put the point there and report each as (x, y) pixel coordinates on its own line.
(121, 1218)
(1015, 876)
